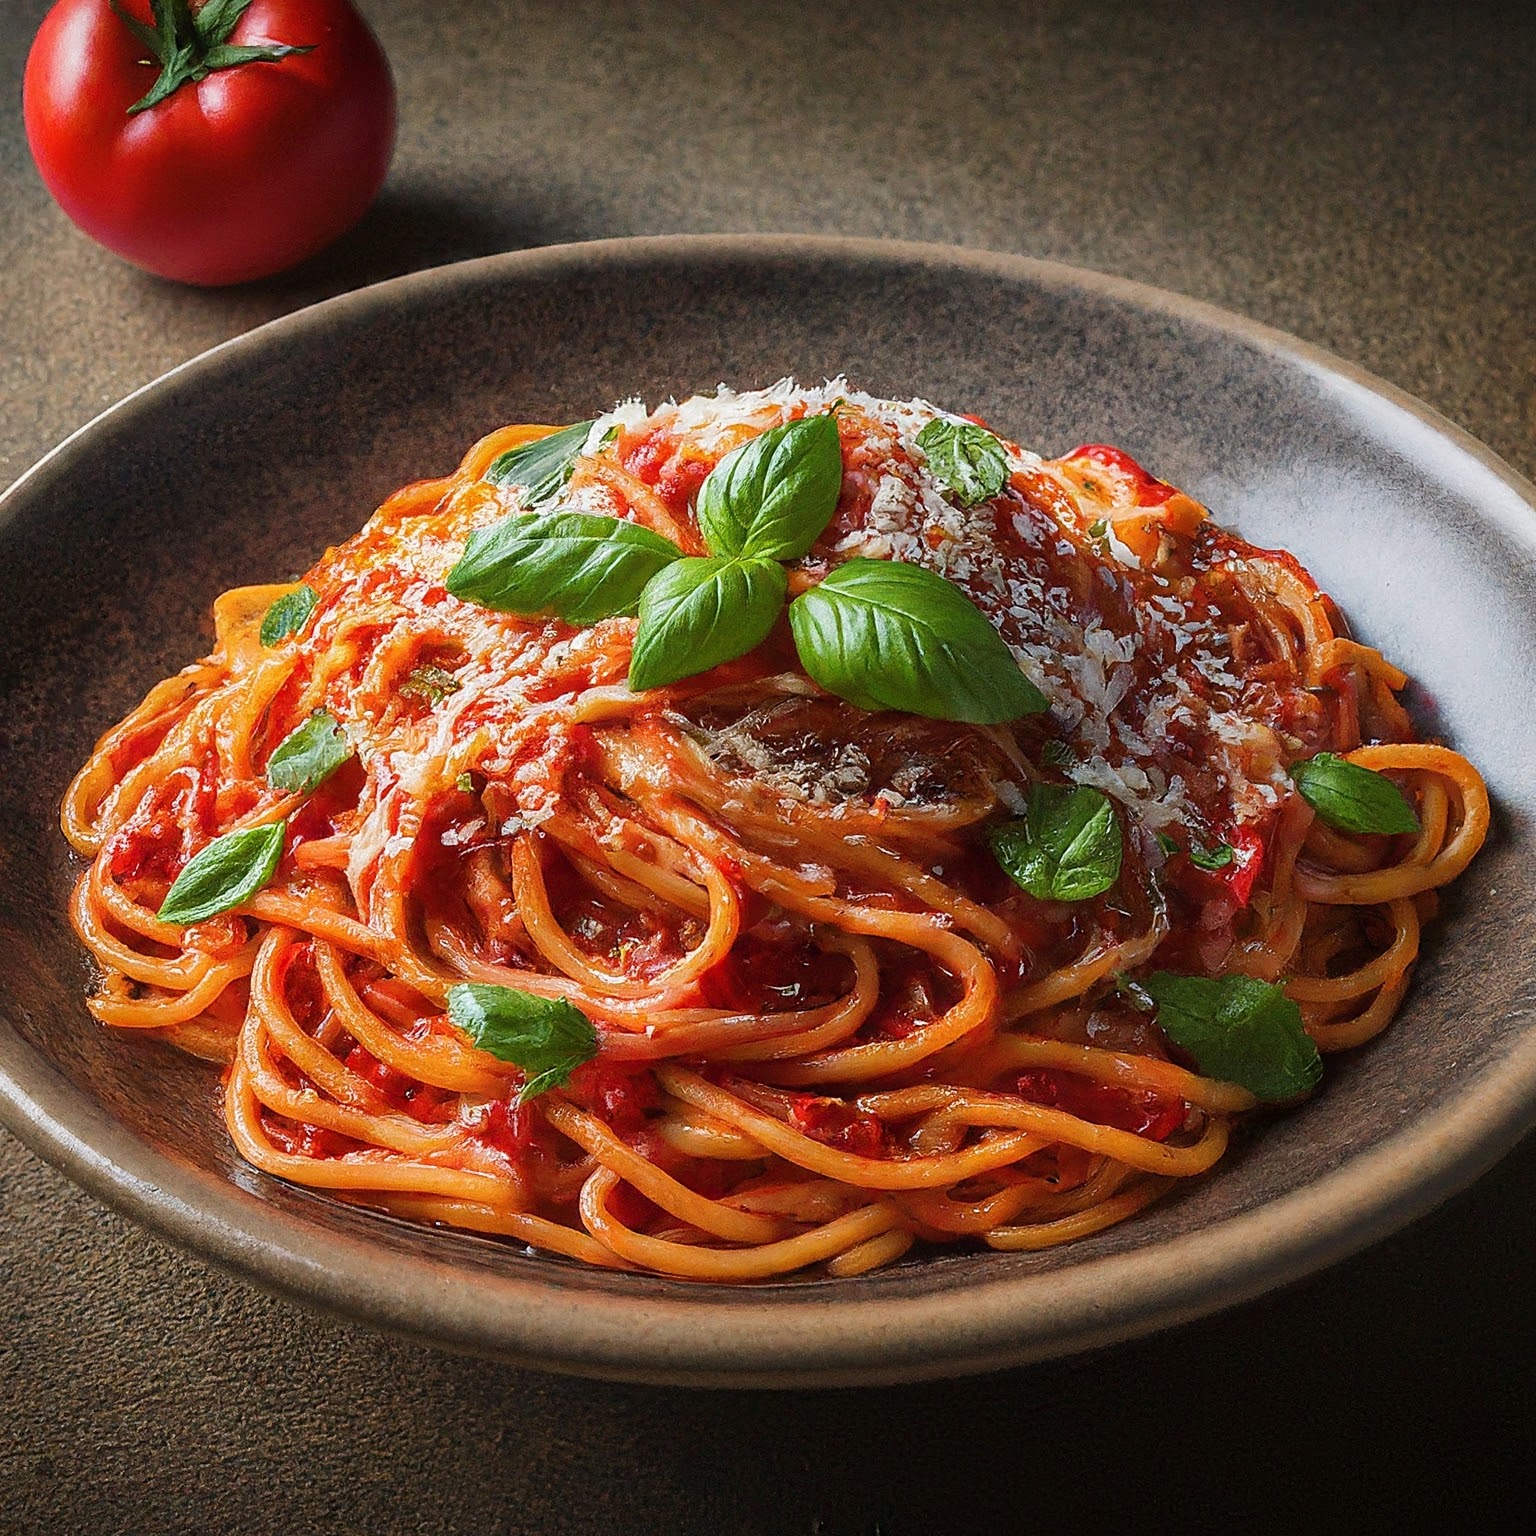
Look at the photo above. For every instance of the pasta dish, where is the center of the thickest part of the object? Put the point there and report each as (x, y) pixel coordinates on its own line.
(768, 832)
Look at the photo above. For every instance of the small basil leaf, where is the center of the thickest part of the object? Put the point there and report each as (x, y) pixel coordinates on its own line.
(967, 458)
(305, 758)
(698, 613)
(1211, 859)
(772, 497)
(288, 615)
(575, 565)
(887, 635)
(547, 1037)
(1167, 844)
(1240, 1030)
(1133, 993)
(230, 870)
(541, 467)
(1351, 798)
(1066, 846)
(433, 684)
(1058, 754)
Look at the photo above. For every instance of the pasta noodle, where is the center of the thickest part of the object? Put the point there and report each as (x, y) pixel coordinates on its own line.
(828, 1025)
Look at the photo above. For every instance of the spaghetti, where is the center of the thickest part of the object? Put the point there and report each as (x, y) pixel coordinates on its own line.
(829, 1019)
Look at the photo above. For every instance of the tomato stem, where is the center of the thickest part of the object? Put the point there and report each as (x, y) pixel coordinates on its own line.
(190, 45)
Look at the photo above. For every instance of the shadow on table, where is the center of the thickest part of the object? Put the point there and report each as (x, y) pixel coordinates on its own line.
(406, 230)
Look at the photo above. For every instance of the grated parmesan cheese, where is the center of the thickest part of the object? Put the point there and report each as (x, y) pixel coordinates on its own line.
(1139, 675)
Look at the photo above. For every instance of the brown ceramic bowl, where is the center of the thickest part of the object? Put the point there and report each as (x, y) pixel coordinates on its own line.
(242, 465)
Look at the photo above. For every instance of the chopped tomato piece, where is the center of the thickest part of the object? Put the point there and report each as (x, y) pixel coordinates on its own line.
(301, 1140)
(1137, 1110)
(508, 1127)
(617, 1097)
(840, 1125)
(1247, 863)
(1233, 883)
(392, 1084)
(1150, 491)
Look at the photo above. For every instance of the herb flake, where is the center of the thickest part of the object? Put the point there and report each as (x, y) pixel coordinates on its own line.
(1240, 1030)
(229, 871)
(547, 1037)
(1350, 798)
(1066, 847)
(433, 684)
(308, 756)
(969, 459)
(288, 615)
(541, 467)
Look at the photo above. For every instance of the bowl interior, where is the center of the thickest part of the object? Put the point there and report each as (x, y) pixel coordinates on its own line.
(244, 465)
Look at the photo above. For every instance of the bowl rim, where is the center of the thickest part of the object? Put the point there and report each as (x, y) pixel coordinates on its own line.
(796, 1342)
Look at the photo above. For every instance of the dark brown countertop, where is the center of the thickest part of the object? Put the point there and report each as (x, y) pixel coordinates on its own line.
(1363, 176)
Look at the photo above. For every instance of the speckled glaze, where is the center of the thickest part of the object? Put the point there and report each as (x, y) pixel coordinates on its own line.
(244, 464)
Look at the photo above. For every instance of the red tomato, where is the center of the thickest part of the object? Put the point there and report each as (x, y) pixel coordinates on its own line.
(233, 176)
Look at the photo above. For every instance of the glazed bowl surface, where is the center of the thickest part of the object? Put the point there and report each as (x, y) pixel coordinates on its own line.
(244, 464)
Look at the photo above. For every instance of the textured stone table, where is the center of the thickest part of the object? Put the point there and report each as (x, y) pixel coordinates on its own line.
(1364, 177)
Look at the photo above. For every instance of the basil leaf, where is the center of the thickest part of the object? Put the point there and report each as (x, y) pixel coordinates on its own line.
(887, 635)
(547, 1037)
(288, 615)
(697, 613)
(230, 870)
(1058, 754)
(1066, 846)
(772, 497)
(433, 684)
(967, 458)
(1351, 798)
(1211, 859)
(541, 467)
(1240, 1030)
(305, 758)
(575, 565)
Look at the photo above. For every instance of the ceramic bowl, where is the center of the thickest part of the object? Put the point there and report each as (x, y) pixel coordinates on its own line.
(245, 463)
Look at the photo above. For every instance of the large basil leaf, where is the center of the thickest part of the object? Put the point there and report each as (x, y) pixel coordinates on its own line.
(1066, 846)
(229, 871)
(541, 467)
(1238, 1029)
(697, 613)
(772, 496)
(575, 565)
(967, 458)
(1352, 798)
(547, 1037)
(887, 635)
(305, 758)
